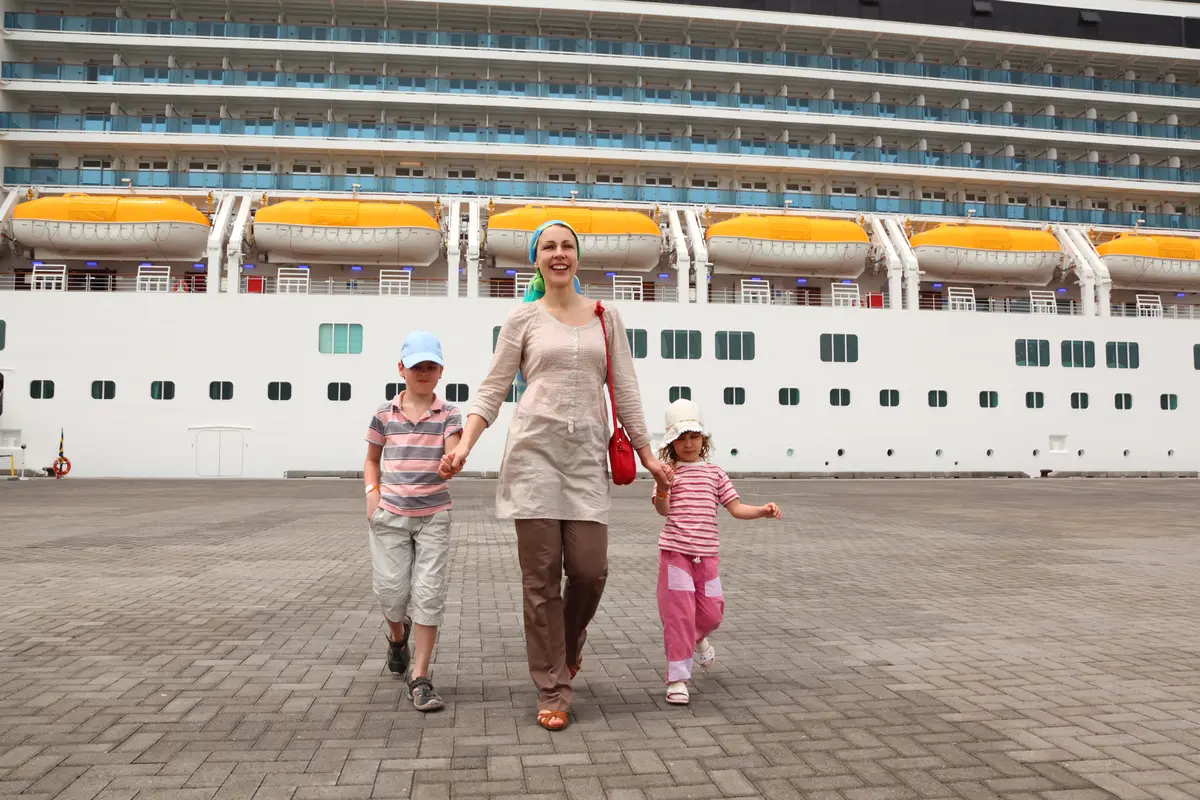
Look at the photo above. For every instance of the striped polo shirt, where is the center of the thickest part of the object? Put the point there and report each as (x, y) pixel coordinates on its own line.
(410, 485)
(691, 526)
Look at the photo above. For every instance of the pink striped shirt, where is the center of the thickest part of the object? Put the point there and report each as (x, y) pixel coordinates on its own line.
(691, 526)
(409, 482)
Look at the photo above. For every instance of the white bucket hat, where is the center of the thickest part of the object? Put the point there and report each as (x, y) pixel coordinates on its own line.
(683, 416)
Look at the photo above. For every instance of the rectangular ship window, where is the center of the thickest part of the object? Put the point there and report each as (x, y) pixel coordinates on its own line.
(279, 391)
(839, 397)
(681, 344)
(340, 338)
(1078, 354)
(680, 393)
(889, 398)
(937, 398)
(162, 390)
(1035, 400)
(735, 396)
(220, 390)
(104, 390)
(789, 396)
(839, 347)
(989, 399)
(735, 346)
(1033, 352)
(1079, 400)
(1122, 355)
(637, 341)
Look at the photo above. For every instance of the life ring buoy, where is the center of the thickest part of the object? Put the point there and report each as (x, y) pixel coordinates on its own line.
(62, 467)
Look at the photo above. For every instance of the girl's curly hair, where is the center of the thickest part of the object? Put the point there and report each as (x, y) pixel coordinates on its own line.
(667, 453)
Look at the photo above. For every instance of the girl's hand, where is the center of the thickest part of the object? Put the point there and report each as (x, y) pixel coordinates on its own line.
(772, 510)
(663, 475)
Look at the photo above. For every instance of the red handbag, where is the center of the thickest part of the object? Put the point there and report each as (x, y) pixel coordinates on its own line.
(620, 449)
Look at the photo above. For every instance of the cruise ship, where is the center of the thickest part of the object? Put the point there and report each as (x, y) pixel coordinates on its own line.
(869, 237)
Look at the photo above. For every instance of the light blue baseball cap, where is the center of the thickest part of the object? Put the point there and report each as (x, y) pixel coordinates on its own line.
(421, 346)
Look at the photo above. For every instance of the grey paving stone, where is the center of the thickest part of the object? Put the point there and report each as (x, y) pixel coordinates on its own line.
(888, 639)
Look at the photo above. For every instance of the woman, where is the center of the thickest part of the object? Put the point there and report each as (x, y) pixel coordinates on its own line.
(554, 477)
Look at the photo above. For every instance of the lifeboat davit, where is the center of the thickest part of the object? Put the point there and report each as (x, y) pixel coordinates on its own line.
(1152, 262)
(778, 244)
(347, 232)
(128, 228)
(607, 239)
(987, 254)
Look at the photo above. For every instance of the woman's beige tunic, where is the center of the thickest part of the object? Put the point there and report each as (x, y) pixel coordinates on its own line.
(556, 457)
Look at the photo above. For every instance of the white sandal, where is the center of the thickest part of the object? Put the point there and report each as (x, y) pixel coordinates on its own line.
(706, 654)
(677, 694)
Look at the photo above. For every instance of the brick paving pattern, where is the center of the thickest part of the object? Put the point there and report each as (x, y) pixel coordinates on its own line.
(888, 640)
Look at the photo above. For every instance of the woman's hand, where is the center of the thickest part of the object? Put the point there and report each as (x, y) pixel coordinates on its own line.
(452, 462)
(663, 474)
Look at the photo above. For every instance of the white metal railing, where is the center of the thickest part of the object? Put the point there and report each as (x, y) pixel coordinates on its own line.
(94, 282)
(846, 295)
(1042, 301)
(153, 278)
(627, 287)
(1149, 305)
(960, 298)
(292, 280)
(755, 293)
(395, 281)
(49, 278)
(521, 283)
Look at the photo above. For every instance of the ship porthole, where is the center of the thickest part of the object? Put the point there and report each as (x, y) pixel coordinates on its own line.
(1170, 452)
(841, 453)
(733, 452)
(1036, 453)
(891, 452)
(791, 452)
(938, 452)
(1126, 454)
(989, 453)
(1080, 454)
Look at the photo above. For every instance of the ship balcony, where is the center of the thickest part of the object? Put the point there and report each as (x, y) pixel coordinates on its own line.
(911, 159)
(848, 111)
(625, 193)
(161, 32)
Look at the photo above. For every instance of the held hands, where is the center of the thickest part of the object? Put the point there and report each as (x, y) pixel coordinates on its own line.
(663, 474)
(453, 462)
(770, 510)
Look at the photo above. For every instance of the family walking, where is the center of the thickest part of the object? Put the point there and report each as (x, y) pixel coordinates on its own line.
(561, 349)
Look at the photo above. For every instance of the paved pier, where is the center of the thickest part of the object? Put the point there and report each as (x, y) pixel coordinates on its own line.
(890, 639)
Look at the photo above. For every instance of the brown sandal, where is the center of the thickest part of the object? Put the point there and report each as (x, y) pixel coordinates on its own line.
(576, 667)
(552, 720)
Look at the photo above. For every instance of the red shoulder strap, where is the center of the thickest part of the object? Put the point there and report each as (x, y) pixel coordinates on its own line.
(612, 400)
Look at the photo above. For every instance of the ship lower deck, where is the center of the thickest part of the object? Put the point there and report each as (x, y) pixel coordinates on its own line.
(886, 639)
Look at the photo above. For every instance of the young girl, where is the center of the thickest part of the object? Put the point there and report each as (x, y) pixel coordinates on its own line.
(690, 602)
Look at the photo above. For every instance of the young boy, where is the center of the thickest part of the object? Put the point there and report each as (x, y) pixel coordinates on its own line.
(408, 510)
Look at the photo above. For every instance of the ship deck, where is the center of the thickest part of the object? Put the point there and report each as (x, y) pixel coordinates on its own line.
(888, 639)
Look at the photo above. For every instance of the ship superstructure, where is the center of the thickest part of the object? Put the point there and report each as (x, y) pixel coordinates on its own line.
(866, 242)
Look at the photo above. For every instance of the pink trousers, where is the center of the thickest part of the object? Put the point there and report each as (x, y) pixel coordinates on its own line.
(690, 605)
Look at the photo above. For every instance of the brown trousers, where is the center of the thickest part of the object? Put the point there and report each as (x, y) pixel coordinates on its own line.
(556, 627)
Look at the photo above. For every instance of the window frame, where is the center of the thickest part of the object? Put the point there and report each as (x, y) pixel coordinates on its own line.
(339, 385)
(789, 396)
(279, 391)
(1168, 401)
(465, 397)
(166, 390)
(679, 392)
(220, 387)
(1035, 400)
(1080, 401)
(1123, 401)
(670, 337)
(724, 345)
(1113, 355)
(989, 399)
(938, 398)
(891, 396)
(42, 384)
(1041, 351)
(829, 345)
(738, 395)
(350, 329)
(638, 338)
(836, 397)
(1087, 353)
(104, 386)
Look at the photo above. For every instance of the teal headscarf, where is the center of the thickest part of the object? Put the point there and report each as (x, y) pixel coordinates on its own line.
(537, 286)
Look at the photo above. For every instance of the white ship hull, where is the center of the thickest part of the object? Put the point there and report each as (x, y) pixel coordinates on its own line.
(134, 339)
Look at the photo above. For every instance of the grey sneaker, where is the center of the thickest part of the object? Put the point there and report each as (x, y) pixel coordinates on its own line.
(424, 696)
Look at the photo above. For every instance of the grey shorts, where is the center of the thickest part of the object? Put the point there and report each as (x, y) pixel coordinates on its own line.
(410, 558)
